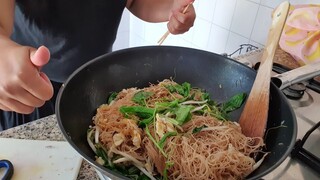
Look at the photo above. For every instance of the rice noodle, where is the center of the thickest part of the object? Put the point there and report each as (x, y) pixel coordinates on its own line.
(218, 150)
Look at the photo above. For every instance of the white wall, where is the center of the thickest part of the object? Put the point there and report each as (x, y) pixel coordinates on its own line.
(122, 40)
(220, 27)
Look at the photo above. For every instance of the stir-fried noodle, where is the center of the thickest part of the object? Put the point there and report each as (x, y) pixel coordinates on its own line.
(171, 131)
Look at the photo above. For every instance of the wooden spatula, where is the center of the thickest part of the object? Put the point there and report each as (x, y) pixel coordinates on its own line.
(254, 117)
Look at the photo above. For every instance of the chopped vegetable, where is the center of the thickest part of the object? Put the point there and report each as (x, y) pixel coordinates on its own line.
(141, 97)
(198, 129)
(112, 97)
(183, 89)
(234, 103)
(140, 111)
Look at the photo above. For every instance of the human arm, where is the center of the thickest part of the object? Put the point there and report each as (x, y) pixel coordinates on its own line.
(165, 10)
(22, 86)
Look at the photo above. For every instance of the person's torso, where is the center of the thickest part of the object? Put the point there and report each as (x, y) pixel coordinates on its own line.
(75, 31)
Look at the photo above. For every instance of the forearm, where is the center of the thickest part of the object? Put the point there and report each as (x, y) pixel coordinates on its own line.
(6, 21)
(6, 17)
(151, 10)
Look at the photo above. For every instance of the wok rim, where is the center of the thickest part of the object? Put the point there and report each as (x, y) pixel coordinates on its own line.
(115, 175)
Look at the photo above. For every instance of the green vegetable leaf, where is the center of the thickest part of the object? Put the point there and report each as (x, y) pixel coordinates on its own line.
(143, 177)
(205, 96)
(183, 114)
(234, 103)
(186, 87)
(165, 136)
(133, 170)
(102, 153)
(165, 105)
(141, 97)
(198, 129)
(183, 89)
(112, 97)
(155, 142)
(145, 122)
(140, 111)
(165, 171)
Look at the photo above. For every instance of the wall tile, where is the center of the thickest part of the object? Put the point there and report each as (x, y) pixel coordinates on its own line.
(244, 17)
(224, 12)
(258, 45)
(124, 25)
(196, 5)
(262, 25)
(136, 41)
(171, 40)
(154, 31)
(137, 26)
(234, 42)
(217, 39)
(271, 3)
(122, 41)
(188, 36)
(201, 33)
(183, 43)
(206, 9)
(255, 1)
(221, 26)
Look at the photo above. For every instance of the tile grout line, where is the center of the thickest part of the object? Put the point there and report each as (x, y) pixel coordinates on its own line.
(255, 21)
(231, 24)
(211, 23)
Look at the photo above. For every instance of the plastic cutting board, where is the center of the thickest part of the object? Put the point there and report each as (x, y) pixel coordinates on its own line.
(39, 159)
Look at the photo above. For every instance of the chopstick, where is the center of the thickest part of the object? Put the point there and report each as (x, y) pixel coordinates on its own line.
(165, 35)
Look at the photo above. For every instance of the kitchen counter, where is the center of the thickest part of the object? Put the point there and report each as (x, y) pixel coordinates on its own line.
(47, 129)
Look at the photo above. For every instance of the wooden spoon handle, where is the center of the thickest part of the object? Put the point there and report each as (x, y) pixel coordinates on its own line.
(255, 114)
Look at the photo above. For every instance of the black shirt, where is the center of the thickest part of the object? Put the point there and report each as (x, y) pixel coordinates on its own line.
(75, 31)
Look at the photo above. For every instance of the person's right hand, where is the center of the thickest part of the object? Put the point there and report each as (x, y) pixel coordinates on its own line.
(22, 86)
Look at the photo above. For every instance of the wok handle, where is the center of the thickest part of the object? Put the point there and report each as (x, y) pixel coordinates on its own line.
(300, 74)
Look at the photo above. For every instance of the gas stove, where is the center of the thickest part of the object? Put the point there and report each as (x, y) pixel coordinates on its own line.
(306, 105)
(308, 115)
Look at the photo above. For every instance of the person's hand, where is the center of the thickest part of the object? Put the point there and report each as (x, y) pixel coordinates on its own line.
(22, 86)
(180, 22)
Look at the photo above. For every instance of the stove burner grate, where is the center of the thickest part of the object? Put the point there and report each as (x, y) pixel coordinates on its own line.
(304, 155)
(295, 91)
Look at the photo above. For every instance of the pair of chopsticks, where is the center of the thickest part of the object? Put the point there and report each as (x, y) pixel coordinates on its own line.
(168, 32)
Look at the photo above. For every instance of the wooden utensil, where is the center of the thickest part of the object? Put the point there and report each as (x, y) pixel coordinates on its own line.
(254, 117)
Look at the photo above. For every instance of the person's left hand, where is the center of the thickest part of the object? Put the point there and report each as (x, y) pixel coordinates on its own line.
(178, 22)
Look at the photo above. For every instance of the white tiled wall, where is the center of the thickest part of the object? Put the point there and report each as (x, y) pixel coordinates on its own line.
(221, 26)
(123, 35)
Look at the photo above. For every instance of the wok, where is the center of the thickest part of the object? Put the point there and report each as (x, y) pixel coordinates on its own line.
(90, 85)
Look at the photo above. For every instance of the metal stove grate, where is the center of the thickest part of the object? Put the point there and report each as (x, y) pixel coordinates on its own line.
(304, 155)
(299, 152)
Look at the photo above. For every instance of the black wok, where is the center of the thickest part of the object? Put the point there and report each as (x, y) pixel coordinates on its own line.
(89, 86)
